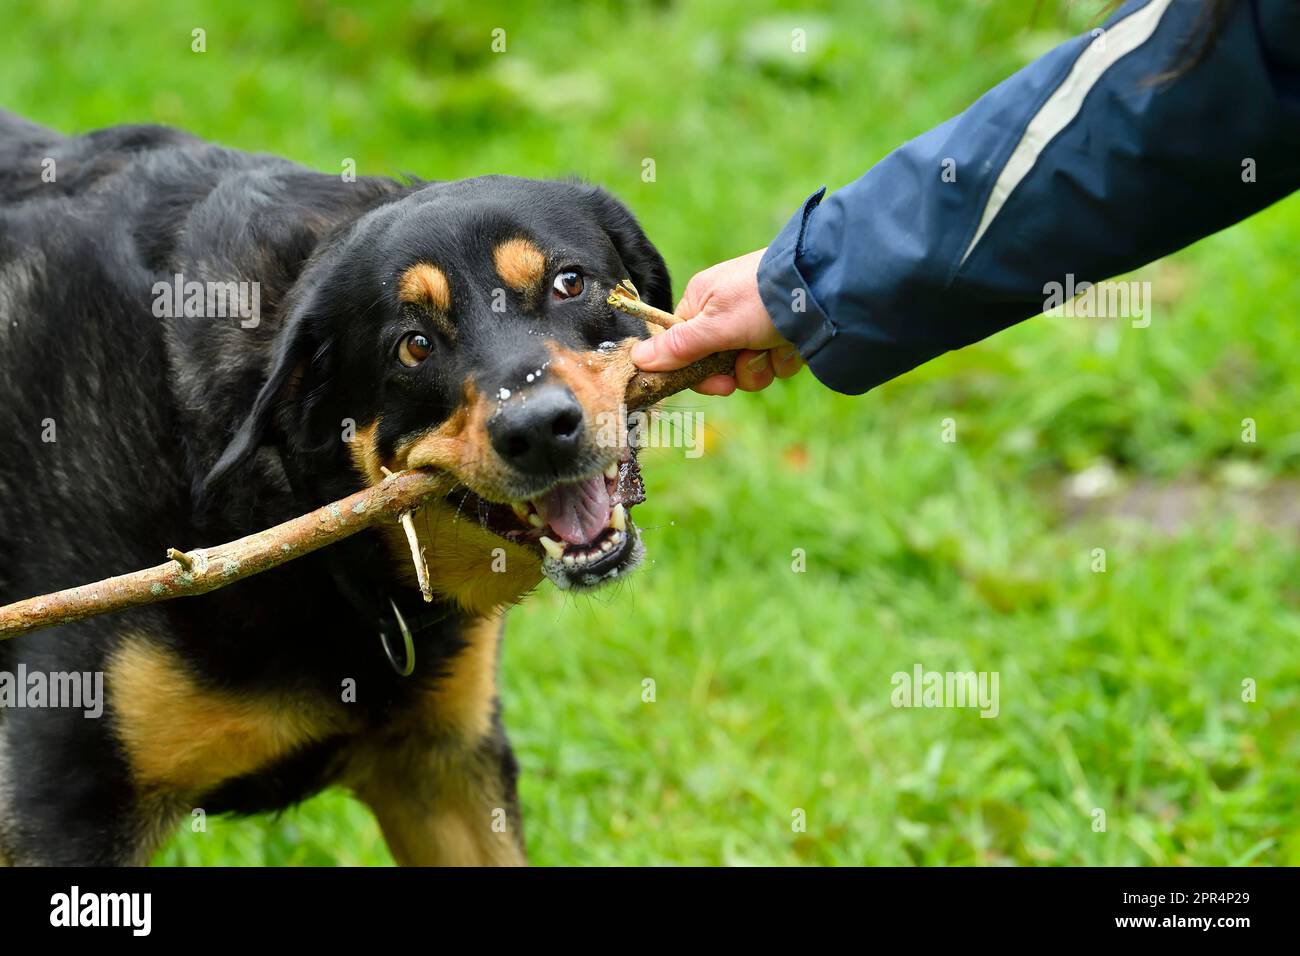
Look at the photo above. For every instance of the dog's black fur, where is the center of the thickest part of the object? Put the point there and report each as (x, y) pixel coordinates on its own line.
(195, 431)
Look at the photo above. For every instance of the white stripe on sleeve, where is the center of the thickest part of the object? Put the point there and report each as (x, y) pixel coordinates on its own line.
(1064, 103)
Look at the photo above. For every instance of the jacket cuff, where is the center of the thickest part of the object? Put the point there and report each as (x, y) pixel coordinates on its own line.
(786, 294)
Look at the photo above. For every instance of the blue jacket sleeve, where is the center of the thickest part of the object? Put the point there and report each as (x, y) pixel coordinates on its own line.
(1087, 163)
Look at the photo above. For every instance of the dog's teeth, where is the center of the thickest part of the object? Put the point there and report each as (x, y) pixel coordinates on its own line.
(553, 548)
(618, 520)
(536, 521)
(569, 560)
(521, 512)
(612, 471)
(607, 544)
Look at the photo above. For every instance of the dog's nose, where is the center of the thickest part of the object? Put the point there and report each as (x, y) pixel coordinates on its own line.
(539, 431)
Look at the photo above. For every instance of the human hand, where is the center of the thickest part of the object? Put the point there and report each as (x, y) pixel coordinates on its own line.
(725, 312)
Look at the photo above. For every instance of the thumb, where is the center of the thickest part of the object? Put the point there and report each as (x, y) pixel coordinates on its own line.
(680, 346)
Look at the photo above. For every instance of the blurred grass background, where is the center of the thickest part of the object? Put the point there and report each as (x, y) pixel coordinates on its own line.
(1120, 691)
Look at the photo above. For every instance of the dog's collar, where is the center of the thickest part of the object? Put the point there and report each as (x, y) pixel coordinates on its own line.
(404, 665)
(397, 616)
(400, 618)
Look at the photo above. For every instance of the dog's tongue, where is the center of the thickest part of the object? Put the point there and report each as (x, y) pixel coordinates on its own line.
(577, 512)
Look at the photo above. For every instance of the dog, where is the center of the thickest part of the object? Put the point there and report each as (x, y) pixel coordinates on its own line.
(197, 343)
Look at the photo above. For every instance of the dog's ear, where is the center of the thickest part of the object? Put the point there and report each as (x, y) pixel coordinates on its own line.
(299, 355)
(645, 265)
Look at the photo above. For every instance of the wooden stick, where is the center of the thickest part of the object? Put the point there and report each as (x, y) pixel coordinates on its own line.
(207, 569)
(624, 297)
(646, 388)
(407, 522)
(213, 568)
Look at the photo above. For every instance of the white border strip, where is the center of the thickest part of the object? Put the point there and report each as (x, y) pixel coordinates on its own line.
(1065, 102)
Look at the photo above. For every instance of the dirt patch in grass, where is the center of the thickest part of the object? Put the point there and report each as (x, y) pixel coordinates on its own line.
(1169, 507)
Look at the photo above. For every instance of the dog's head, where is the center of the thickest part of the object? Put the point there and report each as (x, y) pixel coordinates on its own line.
(464, 328)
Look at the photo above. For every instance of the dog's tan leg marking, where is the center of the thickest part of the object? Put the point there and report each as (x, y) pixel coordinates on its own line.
(182, 737)
(438, 789)
(442, 809)
(463, 700)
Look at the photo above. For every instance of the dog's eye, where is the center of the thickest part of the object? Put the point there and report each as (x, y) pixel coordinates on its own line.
(413, 349)
(568, 284)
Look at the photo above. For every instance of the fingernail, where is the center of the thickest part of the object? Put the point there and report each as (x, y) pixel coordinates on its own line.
(757, 363)
(785, 356)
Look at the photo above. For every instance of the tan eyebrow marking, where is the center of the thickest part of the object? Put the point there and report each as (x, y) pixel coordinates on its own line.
(425, 284)
(519, 263)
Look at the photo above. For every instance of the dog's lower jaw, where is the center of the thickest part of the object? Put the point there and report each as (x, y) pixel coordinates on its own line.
(574, 573)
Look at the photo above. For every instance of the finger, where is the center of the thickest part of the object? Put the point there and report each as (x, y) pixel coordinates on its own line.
(792, 370)
(753, 370)
(692, 299)
(786, 362)
(679, 346)
(717, 385)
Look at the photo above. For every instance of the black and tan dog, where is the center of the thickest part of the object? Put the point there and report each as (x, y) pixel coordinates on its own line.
(455, 326)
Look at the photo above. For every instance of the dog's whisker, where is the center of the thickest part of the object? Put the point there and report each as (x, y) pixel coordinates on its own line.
(460, 504)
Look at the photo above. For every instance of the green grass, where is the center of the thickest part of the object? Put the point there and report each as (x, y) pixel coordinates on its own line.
(1119, 691)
